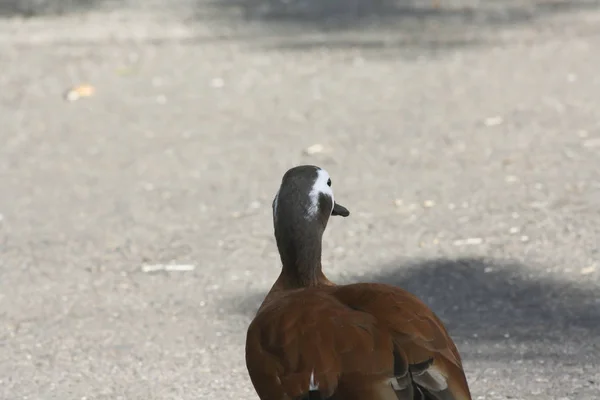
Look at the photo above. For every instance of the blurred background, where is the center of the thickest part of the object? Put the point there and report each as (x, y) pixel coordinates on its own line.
(142, 142)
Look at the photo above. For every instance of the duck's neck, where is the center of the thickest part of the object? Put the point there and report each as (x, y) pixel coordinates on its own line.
(301, 259)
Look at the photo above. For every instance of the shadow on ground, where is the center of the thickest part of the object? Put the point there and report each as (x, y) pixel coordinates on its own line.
(350, 13)
(389, 24)
(485, 302)
(433, 26)
(37, 8)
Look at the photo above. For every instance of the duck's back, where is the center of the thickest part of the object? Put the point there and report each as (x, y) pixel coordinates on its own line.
(360, 341)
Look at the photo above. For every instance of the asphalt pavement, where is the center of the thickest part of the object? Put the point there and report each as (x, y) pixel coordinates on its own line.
(135, 227)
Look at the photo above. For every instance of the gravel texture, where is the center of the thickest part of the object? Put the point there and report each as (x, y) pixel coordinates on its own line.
(135, 228)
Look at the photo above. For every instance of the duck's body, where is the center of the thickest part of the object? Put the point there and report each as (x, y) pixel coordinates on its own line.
(312, 339)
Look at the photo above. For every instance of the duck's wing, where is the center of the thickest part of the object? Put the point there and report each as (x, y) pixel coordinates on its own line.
(308, 345)
(426, 360)
(363, 341)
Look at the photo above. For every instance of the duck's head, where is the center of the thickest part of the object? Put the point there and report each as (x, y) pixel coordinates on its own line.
(301, 209)
(306, 195)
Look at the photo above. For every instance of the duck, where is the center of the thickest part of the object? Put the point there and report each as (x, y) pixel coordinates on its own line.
(312, 339)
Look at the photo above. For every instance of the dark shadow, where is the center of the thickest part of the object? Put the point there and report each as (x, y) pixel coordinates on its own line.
(485, 303)
(386, 24)
(38, 8)
(497, 295)
(349, 13)
(505, 311)
(432, 26)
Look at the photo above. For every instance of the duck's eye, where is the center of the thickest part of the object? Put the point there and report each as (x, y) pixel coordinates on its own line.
(328, 182)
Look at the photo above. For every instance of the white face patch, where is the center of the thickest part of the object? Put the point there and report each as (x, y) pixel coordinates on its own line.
(312, 386)
(319, 187)
(275, 206)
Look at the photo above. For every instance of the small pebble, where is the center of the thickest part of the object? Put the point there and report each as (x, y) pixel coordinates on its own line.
(592, 143)
(217, 83)
(493, 121)
(428, 203)
(469, 241)
(314, 149)
(583, 133)
(588, 270)
(538, 204)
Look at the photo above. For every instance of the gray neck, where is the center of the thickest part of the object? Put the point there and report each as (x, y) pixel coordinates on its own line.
(299, 242)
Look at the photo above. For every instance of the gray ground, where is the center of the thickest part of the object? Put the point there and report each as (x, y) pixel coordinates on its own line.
(465, 140)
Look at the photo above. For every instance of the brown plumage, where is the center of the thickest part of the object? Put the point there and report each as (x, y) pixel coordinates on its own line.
(312, 339)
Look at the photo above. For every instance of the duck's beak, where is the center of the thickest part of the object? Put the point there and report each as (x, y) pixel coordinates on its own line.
(338, 209)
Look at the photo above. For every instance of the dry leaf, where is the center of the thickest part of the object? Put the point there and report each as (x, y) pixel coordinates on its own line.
(80, 91)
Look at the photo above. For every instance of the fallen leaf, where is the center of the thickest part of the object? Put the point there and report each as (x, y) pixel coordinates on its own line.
(80, 91)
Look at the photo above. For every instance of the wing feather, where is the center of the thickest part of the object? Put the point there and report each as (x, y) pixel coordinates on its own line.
(310, 332)
(418, 335)
(354, 340)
